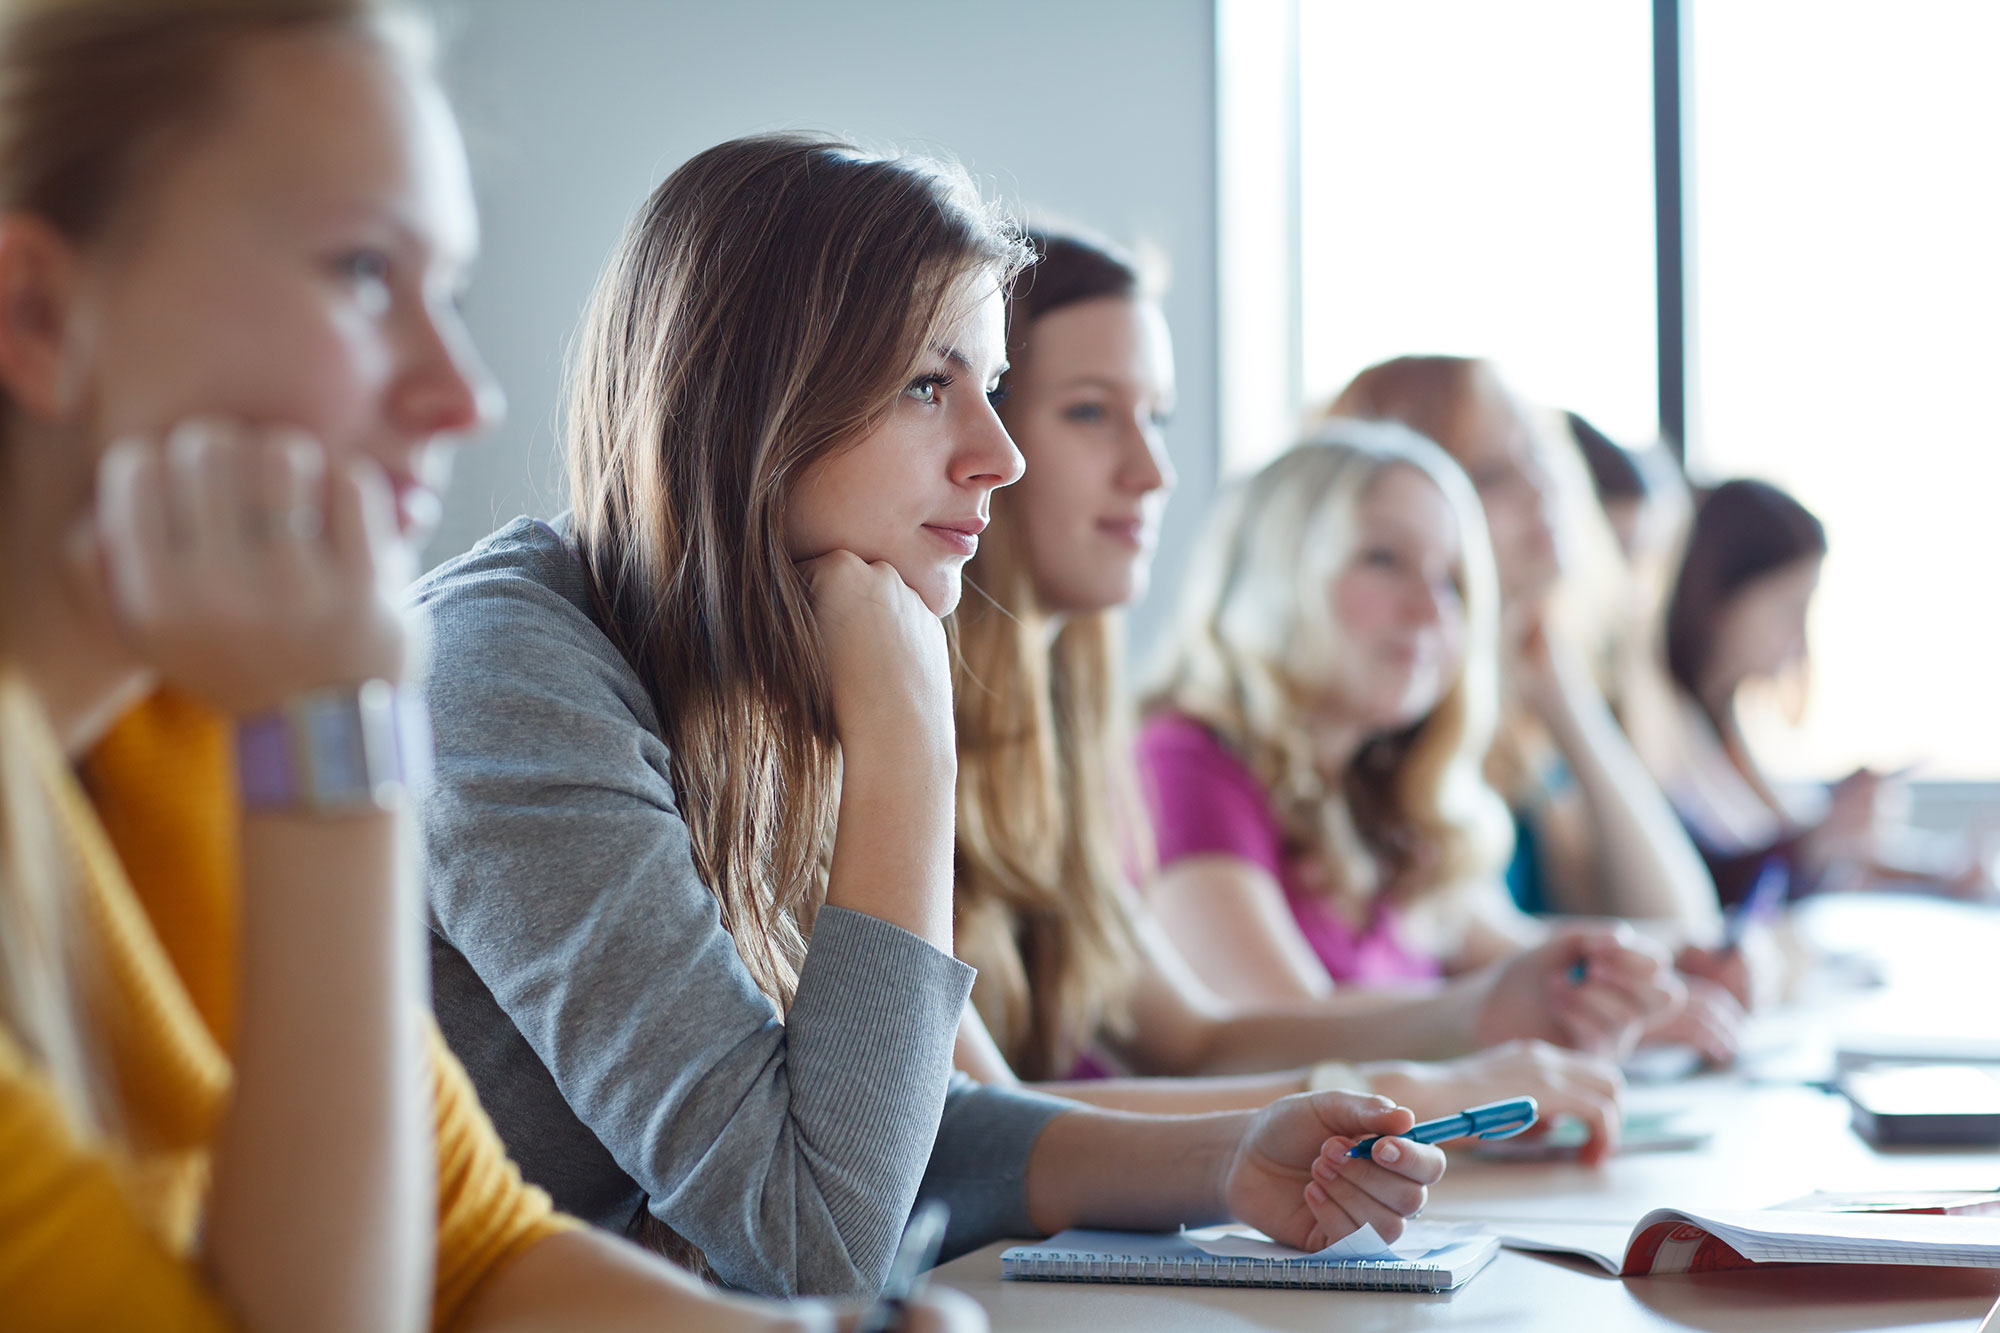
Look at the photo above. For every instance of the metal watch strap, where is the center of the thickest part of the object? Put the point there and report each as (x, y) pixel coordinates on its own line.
(333, 751)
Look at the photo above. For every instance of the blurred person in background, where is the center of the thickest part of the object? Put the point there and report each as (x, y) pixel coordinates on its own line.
(1737, 617)
(1593, 835)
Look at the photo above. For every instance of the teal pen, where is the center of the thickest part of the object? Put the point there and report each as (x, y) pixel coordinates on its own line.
(1495, 1120)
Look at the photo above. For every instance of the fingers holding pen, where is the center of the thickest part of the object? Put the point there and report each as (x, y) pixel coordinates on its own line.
(1381, 1191)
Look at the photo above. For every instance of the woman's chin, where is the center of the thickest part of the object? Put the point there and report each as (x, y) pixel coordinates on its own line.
(940, 591)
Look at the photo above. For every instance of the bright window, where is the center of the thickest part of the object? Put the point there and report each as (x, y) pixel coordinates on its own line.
(1847, 288)
(1477, 178)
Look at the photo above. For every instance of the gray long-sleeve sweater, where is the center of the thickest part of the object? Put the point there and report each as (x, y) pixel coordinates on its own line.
(582, 974)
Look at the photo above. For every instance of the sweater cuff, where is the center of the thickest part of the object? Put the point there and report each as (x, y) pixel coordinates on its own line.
(980, 1164)
(871, 992)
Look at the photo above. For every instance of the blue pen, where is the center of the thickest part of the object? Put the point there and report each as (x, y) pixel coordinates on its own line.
(1764, 900)
(1495, 1120)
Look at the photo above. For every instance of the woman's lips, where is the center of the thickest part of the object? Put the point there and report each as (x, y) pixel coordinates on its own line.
(1129, 532)
(960, 535)
(418, 509)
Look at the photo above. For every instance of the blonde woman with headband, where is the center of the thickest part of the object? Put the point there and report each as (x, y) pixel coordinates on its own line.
(230, 239)
(691, 834)
(1073, 971)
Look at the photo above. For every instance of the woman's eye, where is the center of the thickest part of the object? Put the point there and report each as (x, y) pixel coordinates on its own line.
(926, 388)
(367, 271)
(1085, 413)
(364, 266)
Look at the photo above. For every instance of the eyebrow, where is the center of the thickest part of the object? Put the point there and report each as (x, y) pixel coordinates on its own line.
(958, 358)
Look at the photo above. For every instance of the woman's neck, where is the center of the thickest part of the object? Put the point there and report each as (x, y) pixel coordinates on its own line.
(60, 629)
(1336, 739)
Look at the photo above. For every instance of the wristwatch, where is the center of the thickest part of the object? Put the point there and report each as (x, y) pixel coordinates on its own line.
(330, 752)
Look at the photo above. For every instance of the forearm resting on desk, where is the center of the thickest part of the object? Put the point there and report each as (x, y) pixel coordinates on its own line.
(587, 1279)
(1142, 1172)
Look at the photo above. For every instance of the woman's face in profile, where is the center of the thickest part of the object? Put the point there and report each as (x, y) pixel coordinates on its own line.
(1397, 640)
(297, 264)
(1498, 449)
(916, 490)
(1762, 629)
(1088, 407)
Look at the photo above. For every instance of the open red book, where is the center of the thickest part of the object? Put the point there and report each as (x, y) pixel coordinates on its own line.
(1674, 1240)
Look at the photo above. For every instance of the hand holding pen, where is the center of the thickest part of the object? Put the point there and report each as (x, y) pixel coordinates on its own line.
(904, 1306)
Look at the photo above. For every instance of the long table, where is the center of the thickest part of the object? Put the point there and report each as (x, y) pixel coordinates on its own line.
(1774, 1138)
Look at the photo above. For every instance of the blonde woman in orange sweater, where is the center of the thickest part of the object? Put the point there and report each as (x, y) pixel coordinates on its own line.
(230, 236)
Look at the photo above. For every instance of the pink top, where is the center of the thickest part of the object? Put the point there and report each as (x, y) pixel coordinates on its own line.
(1204, 800)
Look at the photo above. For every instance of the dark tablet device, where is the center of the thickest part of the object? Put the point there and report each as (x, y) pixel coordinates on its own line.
(1952, 1104)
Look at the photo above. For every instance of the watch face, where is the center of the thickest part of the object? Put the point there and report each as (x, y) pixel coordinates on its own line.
(336, 757)
(330, 751)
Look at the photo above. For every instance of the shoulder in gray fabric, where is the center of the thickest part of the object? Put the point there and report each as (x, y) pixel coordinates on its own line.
(582, 973)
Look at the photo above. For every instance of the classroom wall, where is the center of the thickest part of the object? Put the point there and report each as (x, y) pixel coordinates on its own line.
(1100, 112)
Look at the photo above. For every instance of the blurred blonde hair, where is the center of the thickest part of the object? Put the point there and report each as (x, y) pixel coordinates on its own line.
(1446, 398)
(1257, 598)
(1050, 829)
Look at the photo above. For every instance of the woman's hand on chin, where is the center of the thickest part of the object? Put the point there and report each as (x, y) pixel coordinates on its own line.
(1291, 1176)
(886, 657)
(245, 567)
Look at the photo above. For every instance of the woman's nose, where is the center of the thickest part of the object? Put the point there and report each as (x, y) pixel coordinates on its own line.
(986, 455)
(447, 389)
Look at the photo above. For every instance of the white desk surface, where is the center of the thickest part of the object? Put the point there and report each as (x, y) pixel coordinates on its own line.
(1772, 1142)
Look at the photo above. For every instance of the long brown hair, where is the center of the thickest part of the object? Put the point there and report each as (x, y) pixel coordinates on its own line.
(1743, 530)
(94, 96)
(1251, 626)
(1047, 824)
(765, 307)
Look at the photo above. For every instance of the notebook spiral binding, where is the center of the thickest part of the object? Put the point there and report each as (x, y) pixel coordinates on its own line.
(1225, 1271)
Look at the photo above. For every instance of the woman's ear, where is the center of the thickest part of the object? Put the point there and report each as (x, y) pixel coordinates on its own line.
(37, 282)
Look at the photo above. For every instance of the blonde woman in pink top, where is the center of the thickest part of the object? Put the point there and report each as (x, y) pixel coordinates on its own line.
(1312, 752)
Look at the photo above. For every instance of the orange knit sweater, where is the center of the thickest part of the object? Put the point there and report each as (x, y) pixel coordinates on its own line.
(101, 1236)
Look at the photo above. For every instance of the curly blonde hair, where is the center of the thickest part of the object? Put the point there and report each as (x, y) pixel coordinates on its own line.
(1253, 609)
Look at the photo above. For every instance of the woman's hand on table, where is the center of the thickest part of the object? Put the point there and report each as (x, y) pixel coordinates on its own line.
(1561, 1082)
(1592, 987)
(1711, 1021)
(1291, 1176)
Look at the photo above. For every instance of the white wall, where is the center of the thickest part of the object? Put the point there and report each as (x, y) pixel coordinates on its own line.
(1096, 111)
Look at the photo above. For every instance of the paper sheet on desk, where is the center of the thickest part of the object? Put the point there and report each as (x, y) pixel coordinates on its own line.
(1418, 1239)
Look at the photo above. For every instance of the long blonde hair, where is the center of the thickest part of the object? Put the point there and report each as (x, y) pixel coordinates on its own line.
(1257, 599)
(1445, 398)
(764, 309)
(1049, 826)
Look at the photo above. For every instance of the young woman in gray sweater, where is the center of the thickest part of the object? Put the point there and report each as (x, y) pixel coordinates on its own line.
(690, 839)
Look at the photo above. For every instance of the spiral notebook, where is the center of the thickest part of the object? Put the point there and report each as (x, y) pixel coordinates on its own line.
(1437, 1260)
